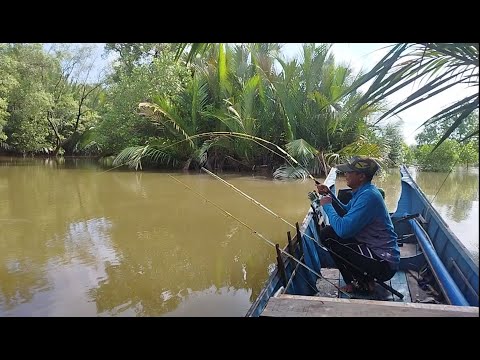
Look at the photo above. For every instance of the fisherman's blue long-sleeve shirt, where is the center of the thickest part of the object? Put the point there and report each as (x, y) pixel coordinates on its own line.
(367, 219)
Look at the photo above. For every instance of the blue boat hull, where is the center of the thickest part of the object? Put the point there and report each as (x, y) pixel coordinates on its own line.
(452, 265)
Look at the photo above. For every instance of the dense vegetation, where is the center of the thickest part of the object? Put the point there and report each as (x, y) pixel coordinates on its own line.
(159, 107)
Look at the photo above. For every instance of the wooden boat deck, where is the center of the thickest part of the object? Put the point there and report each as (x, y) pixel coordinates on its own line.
(404, 282)
(329, 302)
(314, 306)
(436, 269)
(399, 282)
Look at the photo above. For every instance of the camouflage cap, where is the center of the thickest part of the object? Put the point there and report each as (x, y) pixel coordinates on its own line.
(364, 165)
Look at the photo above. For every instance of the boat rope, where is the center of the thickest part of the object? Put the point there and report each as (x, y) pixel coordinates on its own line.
(260, 236)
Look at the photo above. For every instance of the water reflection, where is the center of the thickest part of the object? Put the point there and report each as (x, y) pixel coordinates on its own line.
(455, 196)
(457, 191)
(78, 242)
(214, 302)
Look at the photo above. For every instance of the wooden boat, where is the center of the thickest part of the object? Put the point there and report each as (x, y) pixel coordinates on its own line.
(437, 277)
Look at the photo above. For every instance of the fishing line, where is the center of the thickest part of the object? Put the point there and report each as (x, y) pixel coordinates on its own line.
(451, 169)
(255, 139)
(258, 141)
(260, 235)
(305, 235)
(259, 204)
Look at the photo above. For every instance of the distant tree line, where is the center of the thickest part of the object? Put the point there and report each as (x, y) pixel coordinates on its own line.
(161, 106)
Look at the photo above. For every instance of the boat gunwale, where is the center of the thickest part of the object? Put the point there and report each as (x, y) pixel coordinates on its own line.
(269, 289)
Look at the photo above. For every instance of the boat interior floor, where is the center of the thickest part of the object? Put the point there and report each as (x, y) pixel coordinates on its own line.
(405, 282)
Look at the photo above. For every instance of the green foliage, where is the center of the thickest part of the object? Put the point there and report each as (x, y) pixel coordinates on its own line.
(8, 82)
(27, 70)
(156, 153)
(27, 128)
(44, 100)
(468, 154)
(433, 132)
(242, 91)
(86, 143)
(121, 125)
(3, 116)
(305, 105)
(442, 160)
(467, 146)
(408, 154)
(441, 66)
(391, 135)
(132, 55)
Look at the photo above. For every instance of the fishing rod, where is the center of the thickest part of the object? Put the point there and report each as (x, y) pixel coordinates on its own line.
(259, 204)
(288, 158)
(305, 235)
(255, 139)
(261, 236)
(292, 257)
(335, 199)
(260, 141)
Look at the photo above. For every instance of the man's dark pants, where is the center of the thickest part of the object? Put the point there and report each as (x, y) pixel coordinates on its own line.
(353, 259)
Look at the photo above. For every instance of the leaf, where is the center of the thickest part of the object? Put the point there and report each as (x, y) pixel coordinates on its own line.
(301, 150)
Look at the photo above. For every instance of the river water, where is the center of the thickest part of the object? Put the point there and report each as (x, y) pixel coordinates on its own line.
(77, 240)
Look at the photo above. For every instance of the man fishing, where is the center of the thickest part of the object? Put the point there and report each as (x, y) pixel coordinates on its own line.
(363, 240)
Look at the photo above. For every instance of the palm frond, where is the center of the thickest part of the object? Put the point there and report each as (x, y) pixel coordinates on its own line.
(86, 140)
(201, 155)
(289, 172)
(233, 122)
(132, 156)
(443, 66)
(301, 150)
(222, 70)
(469, 136)
(164, 113)
(429, 90)
(457, 123)
(194, 50)
(248, 95)
(361, 147)
(450, 111)
(198, 88)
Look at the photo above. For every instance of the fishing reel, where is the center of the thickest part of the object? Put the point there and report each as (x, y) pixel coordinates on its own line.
(314, 198)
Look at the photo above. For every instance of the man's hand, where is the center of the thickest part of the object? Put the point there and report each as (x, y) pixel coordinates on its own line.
(325, 200)
(323, 189)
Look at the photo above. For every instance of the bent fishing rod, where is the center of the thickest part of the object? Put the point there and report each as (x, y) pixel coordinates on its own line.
(307, 236)
(259, 204)
(286, 156)
(262, 143)
(261, 236)
(259, 141)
